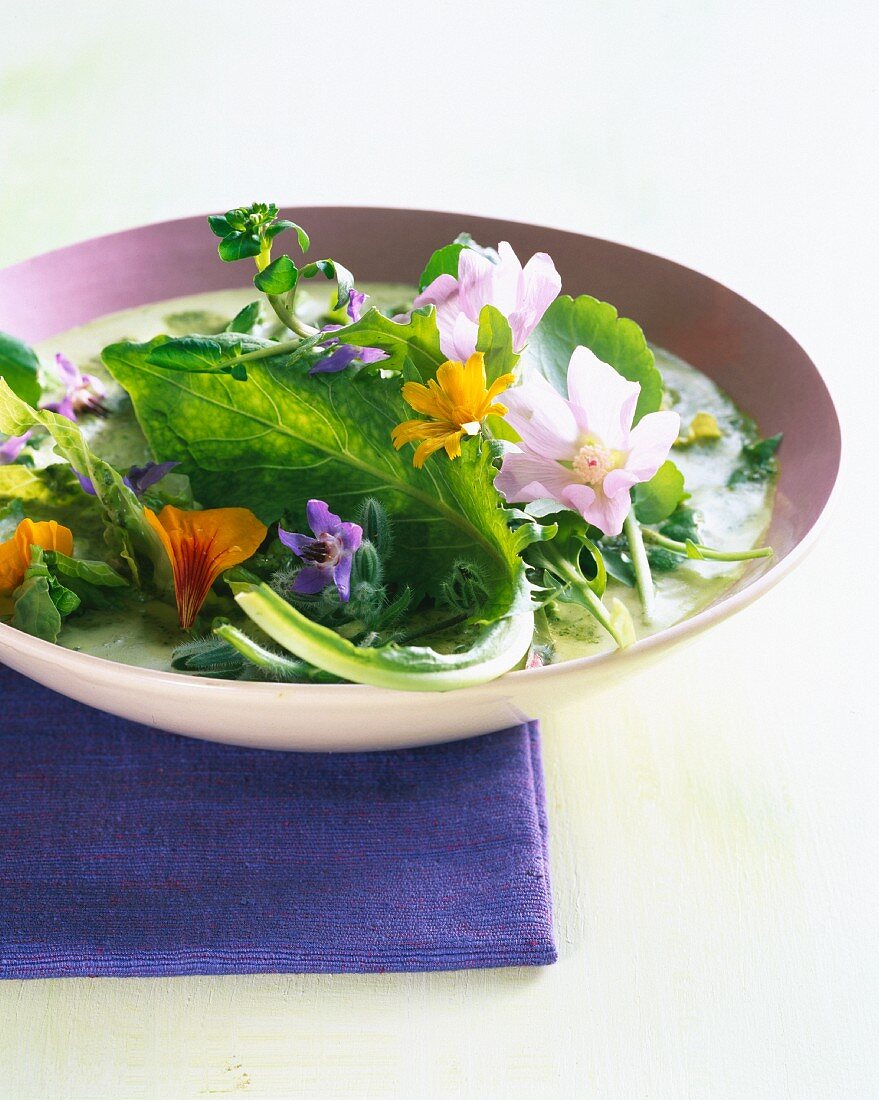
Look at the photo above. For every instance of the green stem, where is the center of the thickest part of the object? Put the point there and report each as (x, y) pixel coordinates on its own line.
(690, 549)
(556, 563)
(283, 308)
(498, 648)
(640, 564)
(288, 317)
(278, 666)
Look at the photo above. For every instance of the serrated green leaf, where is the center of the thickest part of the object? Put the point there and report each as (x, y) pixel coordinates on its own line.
(20, 367)
(415, 342)
(279, 277)
(656, 499)
(587, 322)
(283, 437)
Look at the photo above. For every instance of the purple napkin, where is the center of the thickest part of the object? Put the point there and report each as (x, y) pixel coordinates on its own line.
(126, 851)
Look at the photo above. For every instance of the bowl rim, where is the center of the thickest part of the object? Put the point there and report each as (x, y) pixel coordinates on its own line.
(103, 667)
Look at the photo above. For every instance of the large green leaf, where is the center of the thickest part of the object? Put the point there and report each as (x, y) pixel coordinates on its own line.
(281, 437)
(130, 538)
(587, 322)
(19, 366)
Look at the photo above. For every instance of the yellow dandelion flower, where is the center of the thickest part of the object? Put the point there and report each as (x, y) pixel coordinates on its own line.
(457, 403)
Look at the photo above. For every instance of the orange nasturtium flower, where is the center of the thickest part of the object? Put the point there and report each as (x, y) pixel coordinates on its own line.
(15, 553)
(457, 402)
(202, 545)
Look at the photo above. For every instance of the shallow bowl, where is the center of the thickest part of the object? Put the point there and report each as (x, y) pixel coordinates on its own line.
(748, 354)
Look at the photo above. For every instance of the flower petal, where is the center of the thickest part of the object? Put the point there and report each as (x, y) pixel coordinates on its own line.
(476, 282)
(320, 519)
(299, 544)
(542, 418)
(650, 442)
(602, 400)
(525, 476)
(342, 576)
(542, 285)
(606, 513)
(310, 580)
(351, 535)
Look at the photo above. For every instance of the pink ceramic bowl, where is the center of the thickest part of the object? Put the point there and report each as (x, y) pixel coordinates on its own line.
(750, 356)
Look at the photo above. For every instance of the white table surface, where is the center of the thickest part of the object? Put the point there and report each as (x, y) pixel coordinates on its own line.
(714, 823)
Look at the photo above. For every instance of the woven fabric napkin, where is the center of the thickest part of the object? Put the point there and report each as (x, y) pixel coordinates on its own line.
(127, 851)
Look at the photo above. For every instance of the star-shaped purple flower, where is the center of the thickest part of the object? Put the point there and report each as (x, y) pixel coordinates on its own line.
(83, 392)
(138, 479)
(328, 556)
(12, 447)
(343, 355)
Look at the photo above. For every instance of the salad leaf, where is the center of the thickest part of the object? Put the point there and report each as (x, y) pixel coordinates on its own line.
(445, 260)
(412, 346)
(126, 532)
(41, 601)
(495, 340)
(572, 322)
(757, 462)
(207, 354)
(11, 515)
(280, 276)
(51, 492)
(284, 436)
(334, 271)
(91, 572)
(246, 319)
(498, 647)
(20, 367)
(656, 499)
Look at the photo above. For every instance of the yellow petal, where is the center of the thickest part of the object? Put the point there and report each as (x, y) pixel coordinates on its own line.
(15, 553)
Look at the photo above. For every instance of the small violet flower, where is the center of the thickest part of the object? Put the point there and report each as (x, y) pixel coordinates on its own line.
(83, 392)
(343, 355)
(583, 452)
(12, 447)
(138, 479)
(328, 556)
(522, 294)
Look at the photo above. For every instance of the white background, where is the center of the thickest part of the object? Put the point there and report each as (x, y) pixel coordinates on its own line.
(714, 824)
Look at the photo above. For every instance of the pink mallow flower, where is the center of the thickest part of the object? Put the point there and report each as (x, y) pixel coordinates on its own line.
(583, 452)
(522, 294)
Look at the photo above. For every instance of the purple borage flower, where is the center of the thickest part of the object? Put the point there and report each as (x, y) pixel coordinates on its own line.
(12, 447)
(138, 479)
(328, 556)
(83, 392)
(343, 355)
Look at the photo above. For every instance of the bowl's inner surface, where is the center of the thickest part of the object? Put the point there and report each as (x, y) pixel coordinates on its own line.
(748, 354)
